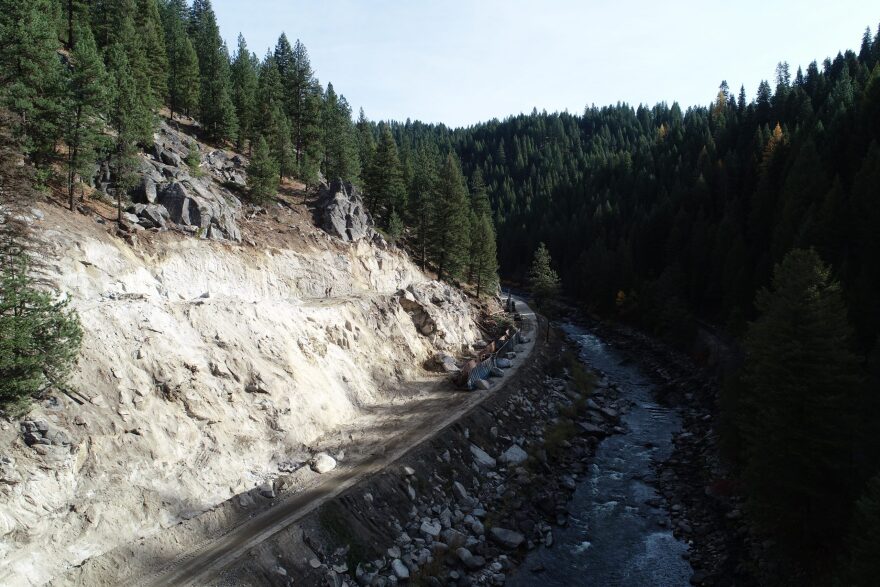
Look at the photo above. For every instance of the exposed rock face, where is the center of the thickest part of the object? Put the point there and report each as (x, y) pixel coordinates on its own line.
(343, 213)
(431, 305)
(205, 371)
(226, 167)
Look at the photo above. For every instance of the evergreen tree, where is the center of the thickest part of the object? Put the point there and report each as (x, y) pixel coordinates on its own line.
(340, 149)
(384, 183)
(39, 337)
(281, 145)
(262, 173)
(148, 24)
(366, 143)
(543, 280)
(130, 120)
(84, 98)
(863, 566)
(484, 255)
(183, 63)
(303, 104)
(216, 110)
(799, 377)
(244, 91)
(449, 241)
(30, 73)
(422, 198)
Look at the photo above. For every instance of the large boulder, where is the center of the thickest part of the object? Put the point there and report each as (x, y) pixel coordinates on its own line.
(342, 212)
(197, 204)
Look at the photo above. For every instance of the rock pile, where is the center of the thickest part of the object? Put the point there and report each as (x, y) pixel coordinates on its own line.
(171, 193)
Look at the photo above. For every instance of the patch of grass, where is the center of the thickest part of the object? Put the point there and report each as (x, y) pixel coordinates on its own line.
(333, 520)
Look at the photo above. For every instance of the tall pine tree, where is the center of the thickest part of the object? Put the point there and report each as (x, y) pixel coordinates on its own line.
(84, 99)
(450, 239)
(800, 382)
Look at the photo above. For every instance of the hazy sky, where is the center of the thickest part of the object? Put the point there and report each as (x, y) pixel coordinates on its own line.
(462, 62)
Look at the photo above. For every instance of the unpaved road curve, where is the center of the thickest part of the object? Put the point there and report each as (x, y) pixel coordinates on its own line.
(201, 565)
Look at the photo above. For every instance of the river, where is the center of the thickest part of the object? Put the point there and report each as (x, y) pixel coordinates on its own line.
(618, 534)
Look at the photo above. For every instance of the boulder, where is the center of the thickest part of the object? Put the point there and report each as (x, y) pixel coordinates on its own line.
(505, 538)
(483, 384)
(471, 562)
(399, 569)
(145, 192)
(323, 463)
(268, 490)
(431, 529)
(514, 455)
(197, 204)
(342, 212)
(170, 158)
(482, 458)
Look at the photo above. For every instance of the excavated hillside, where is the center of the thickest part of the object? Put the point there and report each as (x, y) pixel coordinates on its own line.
(223, 346)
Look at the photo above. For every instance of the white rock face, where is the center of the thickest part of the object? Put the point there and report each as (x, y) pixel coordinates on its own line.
(187, 399)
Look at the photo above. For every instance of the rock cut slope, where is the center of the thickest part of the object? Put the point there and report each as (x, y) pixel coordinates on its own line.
(206, 367)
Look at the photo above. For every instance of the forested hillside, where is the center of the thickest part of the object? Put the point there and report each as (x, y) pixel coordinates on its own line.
(758, 214)
(764, 209)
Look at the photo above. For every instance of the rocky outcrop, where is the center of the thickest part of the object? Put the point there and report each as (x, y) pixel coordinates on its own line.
(343, 214)
(196, 202)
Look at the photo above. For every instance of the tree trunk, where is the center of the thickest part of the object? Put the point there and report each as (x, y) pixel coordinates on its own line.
(70, 38)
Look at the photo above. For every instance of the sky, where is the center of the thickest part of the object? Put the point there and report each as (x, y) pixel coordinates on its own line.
(460, 62)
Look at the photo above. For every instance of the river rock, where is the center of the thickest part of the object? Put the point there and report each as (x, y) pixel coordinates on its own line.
(323, 463)
(399, 569)
(507, 538)
(514, 455)
(482, 458)
(471, 562)
(431, 529)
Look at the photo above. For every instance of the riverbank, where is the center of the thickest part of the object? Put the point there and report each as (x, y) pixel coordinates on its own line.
(467, 506)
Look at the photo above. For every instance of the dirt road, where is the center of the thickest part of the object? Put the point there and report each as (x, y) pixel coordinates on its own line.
(199, 566)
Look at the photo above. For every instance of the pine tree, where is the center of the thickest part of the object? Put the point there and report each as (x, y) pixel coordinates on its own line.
(183, 63)
(303, 102)
(148, 25)
(863, 566)
(422, 199)
(262, 173)
(244, 91)
(543, 280)
(281, 145)
(31, 73)
(366, 143)
(340, 149)
(130, 119)
(484, 255)
(216, 110)
(384, 183)
(449, 242)
(84, 98)
(39, 337)
(799, 377)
